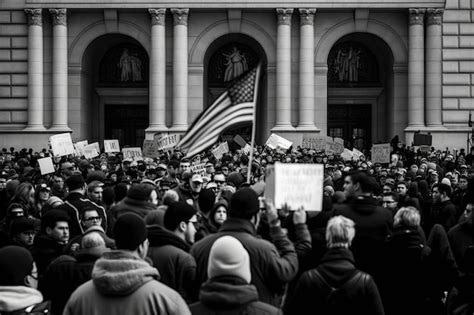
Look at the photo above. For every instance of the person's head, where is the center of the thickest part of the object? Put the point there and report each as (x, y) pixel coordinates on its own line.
(195, 183)
(468, 211)
(42, 192)
(328, 191)
(358, 183)
(340, 232)
(90, 217)
(172, 167)
(206, 200)
(58, 181)
(181, 218)
(184, 165)
(22, 230)
(440, 192)
(244, 204)
(95, 190)
(169, 197)
(390, 201)
(17, 267)
(76, 183)
(462, 183)
(26, 193)
(55, 224)
(15, 210)
(130, 234)
(387, 188)
(142, 192)
(402, 188)
(219, 212)
(229, 258)
(219, 179)
(407, 217)
(93, 243)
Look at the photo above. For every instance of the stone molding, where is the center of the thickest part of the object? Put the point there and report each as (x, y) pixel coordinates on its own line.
(416, 16)
(59, 16)
(158, 16)
(307, 16)
(34, 17)
(284, 16)
(180, 16)
(434, 16)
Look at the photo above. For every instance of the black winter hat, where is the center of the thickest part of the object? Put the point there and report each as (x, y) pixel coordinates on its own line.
(22, 224)
(74, 182)
(15, 264)
(129, 231)
(176, 213)
(243, 204)
(206, 200)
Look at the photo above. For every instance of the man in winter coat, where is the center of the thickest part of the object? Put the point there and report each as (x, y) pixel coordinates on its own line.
(272, 264)
(461, 236)
(228, 288)
(123, 282)
(443, 210)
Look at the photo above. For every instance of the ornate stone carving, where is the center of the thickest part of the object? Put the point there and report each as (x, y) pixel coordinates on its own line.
(158, 16)
(180, 16)
(307, 16)
(284, 16)
(34, 17)
(59, 16)
(434, 16)
(416, 16)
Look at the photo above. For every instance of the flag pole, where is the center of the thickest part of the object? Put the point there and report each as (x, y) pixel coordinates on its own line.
(254, 117)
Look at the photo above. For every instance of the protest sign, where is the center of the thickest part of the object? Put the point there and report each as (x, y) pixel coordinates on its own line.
(46, 165)
(347, 155)
(314, 141)
(134, 153)
(276, 141)
(111, 146)
(61, 144)
(199, 169)
(295, 186)
(381, 153)
(220, 150)
(79, 146)
(240, 141)
(334, 145)
(91, 151)
(425, 148)
(356, 153)
(150, 148)
(246, 149)
(166, 141)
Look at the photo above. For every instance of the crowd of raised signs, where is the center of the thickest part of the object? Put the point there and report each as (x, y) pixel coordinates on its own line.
(429, 195)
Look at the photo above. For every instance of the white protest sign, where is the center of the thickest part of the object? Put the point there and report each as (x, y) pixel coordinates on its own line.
(150, 148)
(347, 155)
(334, 145)
(356, 153)
(61, 144)
(240, 141)
(111, 146)
(79, 146)
(295, 186)
(425, 148)
(314, 141)
(134, 153)
(247, 149)
(381, 153)
(220, 150)
(91, 151)
(167, 141)
(276, 141)
(46, 165)
(199, 169)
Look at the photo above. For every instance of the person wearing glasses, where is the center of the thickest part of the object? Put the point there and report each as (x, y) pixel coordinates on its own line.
(390, 202)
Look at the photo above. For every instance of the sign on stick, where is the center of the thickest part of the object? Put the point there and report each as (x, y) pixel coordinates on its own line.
(381, 153)
(276, 141)
(46, 165)
(61, 144)
(132, 153)
(111, 146)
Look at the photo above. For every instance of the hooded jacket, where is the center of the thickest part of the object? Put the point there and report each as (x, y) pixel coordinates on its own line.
(21, 298)
(124, 284)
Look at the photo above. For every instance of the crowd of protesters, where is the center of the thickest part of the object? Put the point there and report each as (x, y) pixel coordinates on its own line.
(115, 236)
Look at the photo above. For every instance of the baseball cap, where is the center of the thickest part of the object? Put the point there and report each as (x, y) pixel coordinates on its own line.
(196, 178)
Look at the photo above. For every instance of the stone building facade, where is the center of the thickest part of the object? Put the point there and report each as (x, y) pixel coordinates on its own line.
(361, 70)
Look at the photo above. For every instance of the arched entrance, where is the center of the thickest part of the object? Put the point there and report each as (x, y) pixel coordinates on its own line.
(359, 83)
(115, 89)
(225, 59)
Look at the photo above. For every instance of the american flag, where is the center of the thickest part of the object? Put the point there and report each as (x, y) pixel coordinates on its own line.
(236, 105)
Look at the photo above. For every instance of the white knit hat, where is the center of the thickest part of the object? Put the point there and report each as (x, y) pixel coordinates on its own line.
(229, 258)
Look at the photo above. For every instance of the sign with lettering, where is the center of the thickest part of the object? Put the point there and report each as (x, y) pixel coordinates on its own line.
(111, 146)
(295, 186)
(166, 141)
(381, 153)
(314, 141)
(91, 151)
(347, 155)
(276, 141)
(199, 169)
(240, 141)
(134, 153)
(61, 144)
(46, 165)
(150, 148)
(356, 153)
(79, 146)
(222, 149)
(334, 145)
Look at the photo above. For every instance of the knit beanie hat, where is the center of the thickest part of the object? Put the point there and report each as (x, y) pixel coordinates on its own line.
(206, 200)
(229, 258)
(15, 263)
(129, 231)
(139, 192)
(22, 224)
(244, 204)
(178, 212)
(236, 179)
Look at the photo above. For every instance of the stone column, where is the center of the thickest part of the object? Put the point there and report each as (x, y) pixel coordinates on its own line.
(283, 71)
(60, 66)
(180, 69)
(35, 70)
(433, 67)
(158, 71)
(416, 69)
(306, 79)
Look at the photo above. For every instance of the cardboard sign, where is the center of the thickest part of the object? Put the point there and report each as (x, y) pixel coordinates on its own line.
(275, 141)
(79, 146)
(111, 146)
(347, 155)
(61, 144)
(132, 153)
(295, 186)
(46, 165)
(356, 153)
(165, 141)
(150, 148)
(199, 169)
(314, 142)
(91, 151)
(240, 141)
(222, 149)
(381, 153)
(334, 146)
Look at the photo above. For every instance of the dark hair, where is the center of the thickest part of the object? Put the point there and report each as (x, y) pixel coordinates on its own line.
(413, 190)
(51, 217)
(174, 164)
(120, 191)
(367, 183)
(108, 195)
(392, 194)
(403, 183)
(443, 189)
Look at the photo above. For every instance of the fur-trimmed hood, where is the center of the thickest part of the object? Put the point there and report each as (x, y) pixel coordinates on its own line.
(13, 298)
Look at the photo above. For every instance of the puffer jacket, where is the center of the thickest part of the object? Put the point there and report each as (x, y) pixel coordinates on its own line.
(22, 300)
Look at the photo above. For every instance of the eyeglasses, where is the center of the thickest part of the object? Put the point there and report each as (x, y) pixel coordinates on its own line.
(385, 202)
(219, 181)
(93, 219)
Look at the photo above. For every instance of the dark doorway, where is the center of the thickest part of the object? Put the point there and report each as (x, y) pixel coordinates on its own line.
(127, 123)
(351, 123)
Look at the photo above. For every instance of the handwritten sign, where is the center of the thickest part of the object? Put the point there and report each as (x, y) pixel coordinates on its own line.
(295, 186)
(314, 142)
(111, 146)
(91, 151)
(166, 141)
(334, 146)
(347, 155)
(150, 148)
(46, 165)
(276, 141)
(132, 153)
(199, 169)
(356, 153)
(381, 153)
(79, 146)
(61, 144)
(222, 149)
(247, 148)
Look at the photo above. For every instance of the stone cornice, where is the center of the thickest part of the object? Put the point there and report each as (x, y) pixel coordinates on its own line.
(284, 16)
(59, 16)
(34, 17)
(434, 16)
(307, 16)
(180, 16)
(416, 16)
(158, 16)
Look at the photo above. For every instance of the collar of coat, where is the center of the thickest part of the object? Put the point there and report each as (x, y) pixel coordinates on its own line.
(238, 225)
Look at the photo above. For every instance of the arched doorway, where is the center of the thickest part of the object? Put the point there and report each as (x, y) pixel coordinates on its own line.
(359, 90)
(225, 59)
(115, 77)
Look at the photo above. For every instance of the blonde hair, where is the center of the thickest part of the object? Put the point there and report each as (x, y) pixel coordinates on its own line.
(340, 232)
(407, 216)
(91, 240)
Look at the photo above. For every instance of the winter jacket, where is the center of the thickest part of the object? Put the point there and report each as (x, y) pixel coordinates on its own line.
(124, 284)
(336, 268)
(129, 205)
(230, 295)
(44, 251)
(170, 255)
(272, 265)
(444, 213)
(460, 238)
(22, 300)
